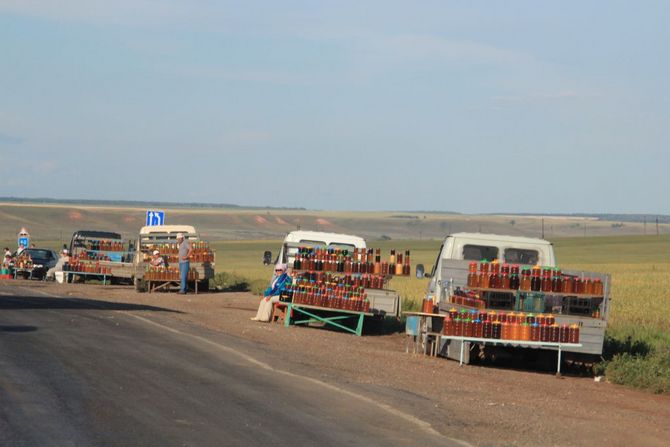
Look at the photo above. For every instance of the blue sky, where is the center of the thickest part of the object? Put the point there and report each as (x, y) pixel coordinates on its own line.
(514, 106)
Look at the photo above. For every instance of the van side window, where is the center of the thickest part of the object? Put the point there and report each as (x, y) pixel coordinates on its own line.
(479, 252)
(521, 256)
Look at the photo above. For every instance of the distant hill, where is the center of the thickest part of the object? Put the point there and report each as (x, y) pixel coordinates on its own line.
(52, 220)
(135, 203)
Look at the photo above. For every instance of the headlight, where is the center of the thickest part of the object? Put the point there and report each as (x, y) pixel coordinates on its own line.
(38, 266)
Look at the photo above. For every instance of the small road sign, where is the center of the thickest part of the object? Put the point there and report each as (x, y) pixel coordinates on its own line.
(155, 217)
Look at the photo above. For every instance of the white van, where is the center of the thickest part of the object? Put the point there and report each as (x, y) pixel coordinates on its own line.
(450, 272)
(383, 303)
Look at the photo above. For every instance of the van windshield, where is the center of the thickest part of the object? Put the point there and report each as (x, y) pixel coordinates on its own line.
(479, 252)
(521, 256)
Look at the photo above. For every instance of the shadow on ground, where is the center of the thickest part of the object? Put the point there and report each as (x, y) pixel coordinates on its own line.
(38, 302)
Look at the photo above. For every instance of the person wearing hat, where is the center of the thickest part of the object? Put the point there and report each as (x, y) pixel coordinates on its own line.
(280, 280)
(157, 260)
(185, 252)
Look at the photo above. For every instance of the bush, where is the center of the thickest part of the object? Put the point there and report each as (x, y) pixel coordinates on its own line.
(229, 282)
(232, 282)
(637, 357)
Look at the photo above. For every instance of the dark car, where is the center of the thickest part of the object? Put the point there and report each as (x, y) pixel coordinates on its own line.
(43, 260)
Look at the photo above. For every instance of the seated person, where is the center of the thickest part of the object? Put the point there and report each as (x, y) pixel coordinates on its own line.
(157, 260)
(280, 280)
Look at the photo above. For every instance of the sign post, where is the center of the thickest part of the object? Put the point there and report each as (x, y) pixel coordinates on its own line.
(155, 217)
(23, 238)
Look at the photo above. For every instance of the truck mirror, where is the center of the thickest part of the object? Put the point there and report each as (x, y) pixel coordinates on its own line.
(420, 271)
(267, 257)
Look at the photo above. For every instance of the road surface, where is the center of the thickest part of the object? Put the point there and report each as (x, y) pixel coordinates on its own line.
(84, 372)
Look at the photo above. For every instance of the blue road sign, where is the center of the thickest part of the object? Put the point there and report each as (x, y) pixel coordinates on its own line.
(155, 217)
(24, 241)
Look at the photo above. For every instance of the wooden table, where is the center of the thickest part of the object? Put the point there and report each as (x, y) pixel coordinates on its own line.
(340, 314)
(514, 343)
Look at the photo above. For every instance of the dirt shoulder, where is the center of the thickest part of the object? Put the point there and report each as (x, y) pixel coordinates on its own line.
(483, 405)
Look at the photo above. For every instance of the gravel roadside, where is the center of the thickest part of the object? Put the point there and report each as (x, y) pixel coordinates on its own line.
(484, 405)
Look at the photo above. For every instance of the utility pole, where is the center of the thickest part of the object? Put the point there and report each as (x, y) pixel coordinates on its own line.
(542, 227)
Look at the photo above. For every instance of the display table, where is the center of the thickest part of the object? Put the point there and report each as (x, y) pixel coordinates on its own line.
(23, 270)
(153, 285)
(337, 315)
(422, 331)
(85, 274)
(514, 343)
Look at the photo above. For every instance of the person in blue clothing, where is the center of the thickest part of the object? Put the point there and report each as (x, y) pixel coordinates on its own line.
(280, 280)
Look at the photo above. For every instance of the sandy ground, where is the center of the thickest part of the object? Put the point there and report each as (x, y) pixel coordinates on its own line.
(481, 404)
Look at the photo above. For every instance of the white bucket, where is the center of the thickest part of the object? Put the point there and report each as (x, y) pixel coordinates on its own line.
(60, 277)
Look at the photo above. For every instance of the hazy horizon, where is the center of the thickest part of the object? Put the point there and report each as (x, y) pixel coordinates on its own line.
(478, 108)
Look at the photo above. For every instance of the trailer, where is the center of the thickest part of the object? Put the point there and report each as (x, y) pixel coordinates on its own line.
(102, 253)
(164, 239)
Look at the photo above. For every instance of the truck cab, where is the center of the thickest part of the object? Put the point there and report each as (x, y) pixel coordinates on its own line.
(490, 247)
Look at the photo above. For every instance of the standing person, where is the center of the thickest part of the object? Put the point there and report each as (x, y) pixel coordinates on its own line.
(62, 260)
(271, 295)
(185, 251)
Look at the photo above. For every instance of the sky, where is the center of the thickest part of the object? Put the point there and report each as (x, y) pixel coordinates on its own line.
(475, 107)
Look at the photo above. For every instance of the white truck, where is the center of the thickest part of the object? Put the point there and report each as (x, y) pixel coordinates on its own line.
(460, 249)
(157, 236)
(383, 303)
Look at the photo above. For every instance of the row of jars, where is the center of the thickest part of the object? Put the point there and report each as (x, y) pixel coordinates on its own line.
(364, 281)
(168, 274)
(354, 300)
(86, 267)
(492, 315)
(507, 330)
(493, 275)
(360, 261)
(93, 256)
(104, 245)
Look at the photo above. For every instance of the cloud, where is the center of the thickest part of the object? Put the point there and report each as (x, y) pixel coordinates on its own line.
(436, 48)
(118, 12)
(47, 166)
(9, 139)
(539, 97)
(241, 75)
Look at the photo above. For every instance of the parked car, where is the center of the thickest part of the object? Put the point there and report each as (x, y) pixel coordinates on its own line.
(43, 259)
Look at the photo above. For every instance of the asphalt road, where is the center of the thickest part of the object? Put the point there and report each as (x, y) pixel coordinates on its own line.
(80, 372)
